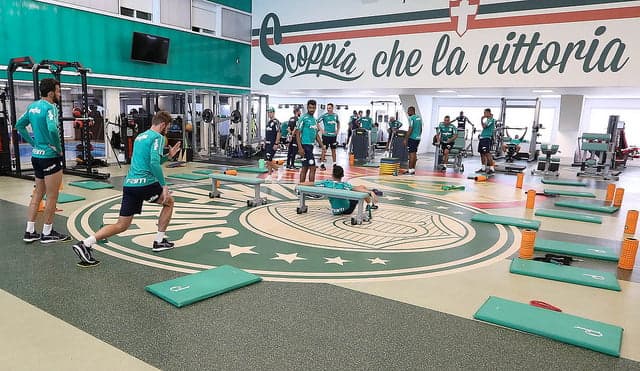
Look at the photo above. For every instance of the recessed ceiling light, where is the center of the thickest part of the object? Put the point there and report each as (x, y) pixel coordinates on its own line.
(550, 96)
(465, 95)
(295, 92)
(446, 91)
(542, 91)
(368, 91)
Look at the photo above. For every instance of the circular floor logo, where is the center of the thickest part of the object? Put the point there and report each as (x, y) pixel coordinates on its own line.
(413, 233)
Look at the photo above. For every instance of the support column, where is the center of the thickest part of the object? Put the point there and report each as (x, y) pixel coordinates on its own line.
(569, 125)
(423, 105)
(111, 113)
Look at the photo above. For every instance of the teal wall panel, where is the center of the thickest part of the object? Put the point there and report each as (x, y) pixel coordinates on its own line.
(244, 5)
(103, 43)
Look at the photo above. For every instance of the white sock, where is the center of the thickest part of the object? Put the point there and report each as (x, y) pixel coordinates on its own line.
(46, 229)
(492, 169)
(484, 167)
(89, 241)
(31, 227)
(159, 236)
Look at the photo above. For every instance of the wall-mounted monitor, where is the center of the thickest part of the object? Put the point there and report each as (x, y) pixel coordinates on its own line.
(149, 48)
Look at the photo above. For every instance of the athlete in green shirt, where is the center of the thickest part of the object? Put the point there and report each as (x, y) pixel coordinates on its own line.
(447, 134)
(413, 138)
(341, 206)
(144, 182)
(330, 129)
(46, 158)
(486, 141)
(306, 135)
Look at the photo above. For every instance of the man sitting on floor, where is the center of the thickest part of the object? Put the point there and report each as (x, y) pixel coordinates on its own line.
(340, 206)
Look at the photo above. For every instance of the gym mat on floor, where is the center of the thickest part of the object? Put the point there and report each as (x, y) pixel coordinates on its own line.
(599, 336)
(574, 183)
(91, 184)
(63, 198)
(561, 192)
(498, 219)
(576, 249)
(565, 273)
(203, 171)
(194, 287)
(588, 206)
(187, 176)
(569, 216)
(252, 169)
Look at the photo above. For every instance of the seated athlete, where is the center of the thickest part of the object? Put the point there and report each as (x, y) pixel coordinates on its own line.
(515, 141)
(340, 206)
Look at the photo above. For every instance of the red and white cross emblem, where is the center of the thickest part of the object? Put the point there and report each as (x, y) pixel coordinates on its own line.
(462, 10)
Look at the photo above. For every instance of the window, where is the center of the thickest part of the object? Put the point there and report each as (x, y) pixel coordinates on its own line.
(104, 5)
(176, 13)
(141, 9)
(203, 17)
(127, 12)
(236, 25)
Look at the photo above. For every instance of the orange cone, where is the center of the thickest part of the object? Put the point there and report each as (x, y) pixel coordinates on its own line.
(531, 199)
(526, 244)
(628, 253)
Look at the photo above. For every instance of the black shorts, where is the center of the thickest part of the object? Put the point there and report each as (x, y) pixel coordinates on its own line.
(329, 141)
(46, 166)
(269, 152)
(352, 206)
(308, 159)
(446, 145)
(484, 145)
(133, 197)
(412, 145)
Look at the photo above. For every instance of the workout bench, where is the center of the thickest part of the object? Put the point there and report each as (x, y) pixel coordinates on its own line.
(303, 191)
(255, 182)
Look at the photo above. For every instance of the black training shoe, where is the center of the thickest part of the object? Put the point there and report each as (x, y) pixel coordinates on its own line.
(322, 167)
(377, 192)
(54, 237)
(162, 246)
(83, 252)
(481, 171)
(490, 171)
(31, 236)
(82, 264)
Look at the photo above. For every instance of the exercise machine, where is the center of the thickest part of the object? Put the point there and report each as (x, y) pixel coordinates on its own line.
(547, 163)
(382, 110)
(397, 148)
(598, 158)
(502, 126)
(456, 154)
(360, 144)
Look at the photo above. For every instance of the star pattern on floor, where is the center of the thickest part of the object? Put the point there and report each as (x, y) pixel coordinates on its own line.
(289, 258)
(442, 207)
(235, 250)
(458, 212)
(377, 261)
(337, 260)
(392, 198)
(420, 202)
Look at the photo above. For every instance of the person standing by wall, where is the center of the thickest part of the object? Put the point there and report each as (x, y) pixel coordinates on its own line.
(413, 138)
(271, 143)
(46, 158)
(293, 143)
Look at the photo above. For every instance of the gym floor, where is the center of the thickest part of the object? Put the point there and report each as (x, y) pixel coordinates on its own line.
(396, 293)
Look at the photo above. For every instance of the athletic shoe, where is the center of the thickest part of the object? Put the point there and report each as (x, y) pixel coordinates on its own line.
(82, 264)
(31, 236)
(490, 171)
(322, 167)
(443, 168)
(84, 253)
(54, 237)
(377, 192)
(480, 171)
(162, 246)
(373, 207)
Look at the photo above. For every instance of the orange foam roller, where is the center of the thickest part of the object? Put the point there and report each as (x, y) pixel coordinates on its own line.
(631, 222)
(352, 159)
(611, 188)
(531, 199)
(526, 244)
(480, 178)
(628, 253)
(231, 172)
(519, 180)
(617, 197)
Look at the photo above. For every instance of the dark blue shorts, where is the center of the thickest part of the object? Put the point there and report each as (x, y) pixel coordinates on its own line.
(484, 145)
(308, 159)
(46, 166)
(412, 145)
(329, 141)
(133, 197)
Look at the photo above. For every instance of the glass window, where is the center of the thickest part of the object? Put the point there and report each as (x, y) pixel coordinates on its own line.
(127, 11)
(236, 25)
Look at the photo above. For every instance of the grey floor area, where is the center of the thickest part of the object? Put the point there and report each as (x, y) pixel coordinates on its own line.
(272, 326)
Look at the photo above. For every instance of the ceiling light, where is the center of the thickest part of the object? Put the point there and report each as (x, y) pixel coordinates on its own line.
(542, 91)
(446, 91)
(465, 96)
(550, 96)
(295, 92)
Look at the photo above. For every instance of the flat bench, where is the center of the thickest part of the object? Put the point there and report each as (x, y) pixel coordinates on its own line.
(304, 191)
(255, 182)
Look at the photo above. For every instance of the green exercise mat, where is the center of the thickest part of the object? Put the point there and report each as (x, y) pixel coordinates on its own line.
(187, 176)
(252, 169)
(599, 336)
(575, 249)
(565, 273)
(91, 184)
(588, 206)
(560, 192)
(203, 171)
(189, 289)
(497, 219)
(574, 183)
(63, 198)
(569, 216)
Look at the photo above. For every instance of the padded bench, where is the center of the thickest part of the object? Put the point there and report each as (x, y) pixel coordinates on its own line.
(255, 182)
(304, 191)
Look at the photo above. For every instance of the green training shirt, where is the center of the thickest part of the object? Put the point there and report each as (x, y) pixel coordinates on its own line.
(487, 132)
(329, 123)
(446, 132)
(338, 205)
(308, 129)
(146, 160)
(415, 122)
(366, 123)
(43, 117)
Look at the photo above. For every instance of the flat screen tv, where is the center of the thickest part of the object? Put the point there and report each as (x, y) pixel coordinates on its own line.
(149, 48)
